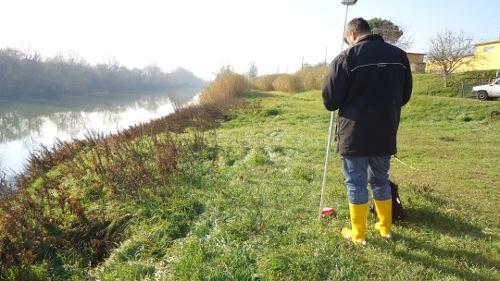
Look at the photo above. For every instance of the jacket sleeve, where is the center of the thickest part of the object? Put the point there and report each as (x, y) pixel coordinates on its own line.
(336, 86)
(408, 82)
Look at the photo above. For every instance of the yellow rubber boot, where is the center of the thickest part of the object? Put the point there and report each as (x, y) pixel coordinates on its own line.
(359, 216)
(384, 213)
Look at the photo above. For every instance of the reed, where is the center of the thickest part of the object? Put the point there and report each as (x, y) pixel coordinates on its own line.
(227, 85)
(306, 79)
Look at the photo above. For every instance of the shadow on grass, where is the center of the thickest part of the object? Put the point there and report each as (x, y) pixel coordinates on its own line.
(425, 218)
(445, 260)
(440, 259)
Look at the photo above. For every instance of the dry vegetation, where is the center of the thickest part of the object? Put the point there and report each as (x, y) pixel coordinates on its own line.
(228, 85)
(306, 79)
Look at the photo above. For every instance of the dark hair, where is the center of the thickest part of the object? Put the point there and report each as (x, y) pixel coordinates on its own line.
(359, 25)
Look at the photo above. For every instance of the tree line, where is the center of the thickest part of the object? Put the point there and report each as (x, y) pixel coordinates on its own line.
(26, 75)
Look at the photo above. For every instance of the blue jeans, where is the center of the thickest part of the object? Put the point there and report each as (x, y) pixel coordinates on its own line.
(361, 170)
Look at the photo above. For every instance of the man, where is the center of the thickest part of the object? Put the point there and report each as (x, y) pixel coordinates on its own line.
(368, 83)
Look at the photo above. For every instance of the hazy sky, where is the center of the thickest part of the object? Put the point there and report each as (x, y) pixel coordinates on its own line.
(204, 35)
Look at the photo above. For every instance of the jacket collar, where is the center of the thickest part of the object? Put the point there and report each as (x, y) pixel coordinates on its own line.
(371, 37)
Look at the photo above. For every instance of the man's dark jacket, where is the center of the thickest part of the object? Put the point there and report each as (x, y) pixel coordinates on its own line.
(368, 83)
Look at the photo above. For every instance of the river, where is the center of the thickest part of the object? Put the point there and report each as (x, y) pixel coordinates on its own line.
(26, 126)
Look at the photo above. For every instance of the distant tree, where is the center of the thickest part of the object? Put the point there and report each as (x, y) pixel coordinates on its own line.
(252, 71)
(449, 51)
(25, 75)
(391, 32)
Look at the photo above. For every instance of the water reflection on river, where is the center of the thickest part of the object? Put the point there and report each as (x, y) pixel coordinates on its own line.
(24, 127)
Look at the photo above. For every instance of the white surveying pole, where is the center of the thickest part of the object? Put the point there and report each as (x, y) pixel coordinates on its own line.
(347, 3)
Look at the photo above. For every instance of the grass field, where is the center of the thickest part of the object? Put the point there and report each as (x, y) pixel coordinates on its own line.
(241, 201)
(260, 201)
(431, 84)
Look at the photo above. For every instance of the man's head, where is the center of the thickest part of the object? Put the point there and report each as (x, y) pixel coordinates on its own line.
(356, 29)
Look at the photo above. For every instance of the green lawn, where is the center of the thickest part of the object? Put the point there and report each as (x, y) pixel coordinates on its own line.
(258, 199)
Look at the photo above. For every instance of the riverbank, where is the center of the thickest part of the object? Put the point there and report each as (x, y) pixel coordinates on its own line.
(72, 205)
